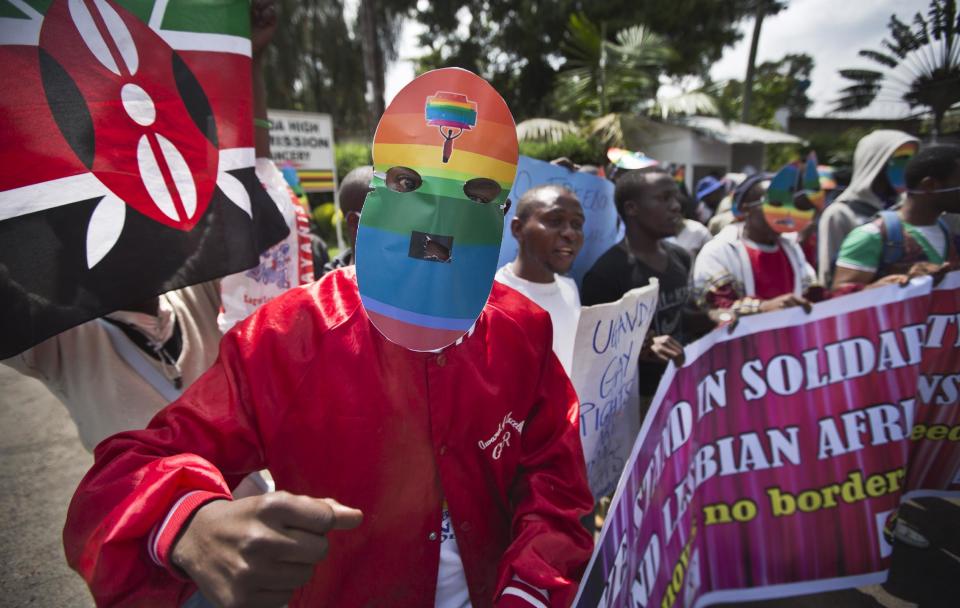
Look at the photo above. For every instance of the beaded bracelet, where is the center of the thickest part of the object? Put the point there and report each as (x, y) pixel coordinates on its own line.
(746, 306)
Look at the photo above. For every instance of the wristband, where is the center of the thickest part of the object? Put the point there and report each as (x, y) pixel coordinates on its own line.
(262, 123)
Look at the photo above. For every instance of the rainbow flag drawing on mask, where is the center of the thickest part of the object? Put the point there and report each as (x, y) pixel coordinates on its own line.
(453, 111)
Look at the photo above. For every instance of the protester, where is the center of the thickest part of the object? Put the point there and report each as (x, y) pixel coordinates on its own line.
(870, 191)
(324, 386)
(914, 233)
(548, 228)
(318, 246)
(710, 191)
(692, 235)
(353, 191)
(113, 374)
(724, 215)
(289, 263)
(749, 267)
(648, 202)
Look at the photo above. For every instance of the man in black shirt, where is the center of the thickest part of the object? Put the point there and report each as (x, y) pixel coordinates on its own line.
(649, 203)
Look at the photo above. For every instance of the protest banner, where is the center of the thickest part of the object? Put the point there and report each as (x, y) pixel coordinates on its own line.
(935, 440)
(604, 373)
(769, 463)
(601, 227)
(304, 140)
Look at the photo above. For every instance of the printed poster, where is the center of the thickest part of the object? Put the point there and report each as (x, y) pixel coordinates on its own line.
(770, 462)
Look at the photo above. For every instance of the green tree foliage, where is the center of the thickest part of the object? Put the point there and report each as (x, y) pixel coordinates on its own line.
(378, 27)
(602, 76)
(776, 84)
(515, 43)
(604, 84)
(314, 64)
(579, 149)
(919, 64)
(698, 30)
(351, 154)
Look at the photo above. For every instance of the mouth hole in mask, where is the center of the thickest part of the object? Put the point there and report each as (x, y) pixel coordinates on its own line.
(482, 190)
(431, 247)
(403, 179)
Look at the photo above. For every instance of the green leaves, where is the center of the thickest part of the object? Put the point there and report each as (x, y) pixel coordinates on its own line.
(601, 76)
(879, 57)
(922, 61)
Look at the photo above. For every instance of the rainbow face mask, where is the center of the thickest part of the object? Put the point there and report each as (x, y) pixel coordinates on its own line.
(445, 157)
(897, 166)
(794, 196)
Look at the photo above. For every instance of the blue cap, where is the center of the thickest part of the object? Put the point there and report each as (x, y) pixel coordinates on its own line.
(708, 185)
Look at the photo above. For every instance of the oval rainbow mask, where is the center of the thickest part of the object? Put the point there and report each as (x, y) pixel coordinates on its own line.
(897, 166)
(427, 251)
(793, 197)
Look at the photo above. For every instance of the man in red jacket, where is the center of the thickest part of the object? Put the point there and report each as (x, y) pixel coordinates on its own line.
(422, 398)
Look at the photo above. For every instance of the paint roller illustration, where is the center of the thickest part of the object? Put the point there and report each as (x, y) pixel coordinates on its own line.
(453, 113)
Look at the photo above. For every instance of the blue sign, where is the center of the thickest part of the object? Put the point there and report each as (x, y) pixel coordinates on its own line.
(601, 229)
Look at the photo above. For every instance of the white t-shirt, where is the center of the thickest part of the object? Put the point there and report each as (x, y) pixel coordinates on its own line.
(935, 238)
(452, 590)
(559, 298)
(692, 238)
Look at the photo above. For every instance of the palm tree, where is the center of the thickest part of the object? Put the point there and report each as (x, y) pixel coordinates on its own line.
(922, 65)
(604, 81)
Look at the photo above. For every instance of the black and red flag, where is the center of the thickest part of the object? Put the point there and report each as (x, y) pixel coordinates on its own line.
(127, 157)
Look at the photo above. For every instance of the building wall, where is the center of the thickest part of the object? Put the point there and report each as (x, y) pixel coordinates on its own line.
(699, 155)
(747, 154)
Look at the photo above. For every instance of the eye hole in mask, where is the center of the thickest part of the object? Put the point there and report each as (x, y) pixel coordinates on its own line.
(801, 202)
(482, 190)
(403, 179)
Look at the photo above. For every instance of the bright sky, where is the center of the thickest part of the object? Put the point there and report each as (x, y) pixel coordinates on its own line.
(831, 31)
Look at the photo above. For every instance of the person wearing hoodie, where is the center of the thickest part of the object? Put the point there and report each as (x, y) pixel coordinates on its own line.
(876, 184)
(914, 233)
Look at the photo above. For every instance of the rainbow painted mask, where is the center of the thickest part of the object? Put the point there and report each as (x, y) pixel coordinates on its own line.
(445, 157)
(897, 166)
(794, 196)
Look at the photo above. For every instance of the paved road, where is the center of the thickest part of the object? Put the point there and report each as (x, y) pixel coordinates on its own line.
(41, 462)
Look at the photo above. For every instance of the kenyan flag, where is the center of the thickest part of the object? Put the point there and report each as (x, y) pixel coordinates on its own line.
(126, 147)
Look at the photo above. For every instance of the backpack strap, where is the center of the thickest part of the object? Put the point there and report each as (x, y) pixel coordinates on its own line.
(948, 239)
(892, 234)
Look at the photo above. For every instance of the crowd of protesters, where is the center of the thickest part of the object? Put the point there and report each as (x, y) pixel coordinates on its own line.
(716, 253)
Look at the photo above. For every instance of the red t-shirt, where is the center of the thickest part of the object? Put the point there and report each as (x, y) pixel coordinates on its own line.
(772, 273)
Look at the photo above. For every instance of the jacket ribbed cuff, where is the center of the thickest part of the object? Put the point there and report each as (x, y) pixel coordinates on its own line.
(520, 594)
(166, 532)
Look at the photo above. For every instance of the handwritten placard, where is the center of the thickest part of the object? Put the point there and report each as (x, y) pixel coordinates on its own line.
(609, 337)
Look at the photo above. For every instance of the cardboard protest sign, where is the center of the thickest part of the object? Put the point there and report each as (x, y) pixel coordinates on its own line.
(604, 373)
(601, 229)
(769, 463)
(935, 440)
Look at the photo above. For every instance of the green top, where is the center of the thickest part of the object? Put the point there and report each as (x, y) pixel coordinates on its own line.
(862, 249)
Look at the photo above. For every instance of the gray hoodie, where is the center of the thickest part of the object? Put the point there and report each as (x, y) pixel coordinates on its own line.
(869, 159)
